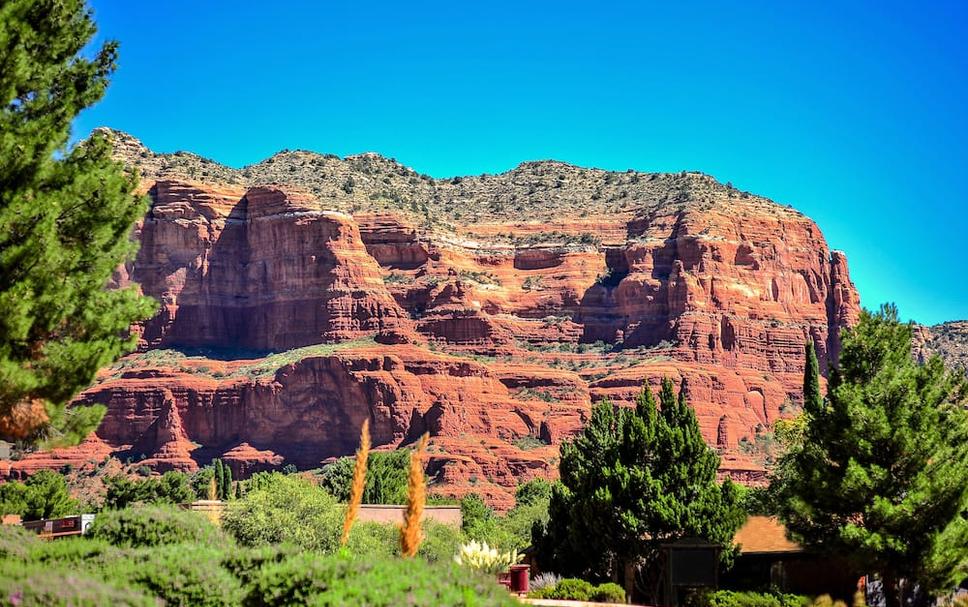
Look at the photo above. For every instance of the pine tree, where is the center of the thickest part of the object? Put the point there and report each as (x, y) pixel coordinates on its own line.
(631, 481)
(66, 214)
(881, 472)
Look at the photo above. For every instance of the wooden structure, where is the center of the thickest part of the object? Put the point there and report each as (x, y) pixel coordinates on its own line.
(60, 527)
(212, 509)
(690, 563)
(768, 559)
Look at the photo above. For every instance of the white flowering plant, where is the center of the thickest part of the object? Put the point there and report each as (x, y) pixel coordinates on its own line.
(481, 557)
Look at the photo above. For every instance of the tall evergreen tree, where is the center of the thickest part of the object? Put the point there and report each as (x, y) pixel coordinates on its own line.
(65, 222)
(226, 481)
(881, 471)
(812, 398)
(219, 479)
(631, 481)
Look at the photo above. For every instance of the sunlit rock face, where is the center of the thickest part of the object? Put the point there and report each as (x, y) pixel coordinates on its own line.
(489, 311)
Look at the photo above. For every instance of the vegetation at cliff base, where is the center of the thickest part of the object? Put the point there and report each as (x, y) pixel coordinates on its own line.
(42, 495)
(66, 215)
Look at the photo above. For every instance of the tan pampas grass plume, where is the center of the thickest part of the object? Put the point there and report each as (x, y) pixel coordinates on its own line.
(212, 489)
(359, 482)
(410, 533)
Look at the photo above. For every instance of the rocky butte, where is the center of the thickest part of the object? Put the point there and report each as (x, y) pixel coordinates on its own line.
(304, 294)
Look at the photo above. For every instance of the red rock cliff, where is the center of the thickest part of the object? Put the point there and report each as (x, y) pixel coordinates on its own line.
(505, 306)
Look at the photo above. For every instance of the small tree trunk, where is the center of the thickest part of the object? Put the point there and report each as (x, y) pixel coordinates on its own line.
(892, 596)
(629, 581)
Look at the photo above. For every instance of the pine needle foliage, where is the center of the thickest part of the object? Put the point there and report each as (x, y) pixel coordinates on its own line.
(66, 215)
(359, 482)
(410, 533)
(631, 481)
(880, 473)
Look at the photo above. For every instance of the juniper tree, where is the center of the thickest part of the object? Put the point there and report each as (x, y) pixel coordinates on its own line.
(631, 481)
(880, 473)
(66, 215)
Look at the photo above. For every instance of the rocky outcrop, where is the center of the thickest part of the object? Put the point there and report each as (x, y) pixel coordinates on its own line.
(164, 445)
(489, 311)
(948, 340)
(259, 269)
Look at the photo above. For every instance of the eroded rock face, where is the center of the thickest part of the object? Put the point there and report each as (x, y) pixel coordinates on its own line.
(494, 330)
(257, 269)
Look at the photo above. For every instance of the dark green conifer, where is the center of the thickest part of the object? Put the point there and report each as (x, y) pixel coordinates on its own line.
(66, 215)
(226, 481)
(631, 481)
(880, 473)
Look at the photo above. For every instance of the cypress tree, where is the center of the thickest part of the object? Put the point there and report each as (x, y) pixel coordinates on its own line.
(66, 214)
(881, 471)
(222, 477)
(238, 490)
(812, 399)
(227, 480)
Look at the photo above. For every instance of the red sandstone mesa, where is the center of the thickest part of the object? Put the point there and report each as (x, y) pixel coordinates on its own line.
(478, 329)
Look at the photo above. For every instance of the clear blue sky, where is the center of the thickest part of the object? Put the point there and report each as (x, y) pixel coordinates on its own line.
(854, 113)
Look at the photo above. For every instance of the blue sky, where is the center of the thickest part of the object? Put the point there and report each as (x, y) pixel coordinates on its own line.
(855, 113)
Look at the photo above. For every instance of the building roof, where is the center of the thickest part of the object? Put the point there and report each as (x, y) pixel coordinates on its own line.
(764, 535)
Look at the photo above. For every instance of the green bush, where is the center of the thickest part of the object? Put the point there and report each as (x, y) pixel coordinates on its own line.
(310, 580)
(439, 545)
(170, 488)
(184, 574)
(535, 491)
(154, 526)
(285, 509)
(571, 589)
(245, 563)
(513, 529)
(15, 541)
(609, 593)
(72, 551)
(386, 477)
(374, 539)
(28, 584)
(728, 598)
(43, 495)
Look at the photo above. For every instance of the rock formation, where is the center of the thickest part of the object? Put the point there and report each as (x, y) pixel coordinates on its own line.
(948, 340)
(306, 293)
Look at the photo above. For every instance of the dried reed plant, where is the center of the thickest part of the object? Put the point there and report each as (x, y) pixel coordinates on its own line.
(410, 533)
(359, 482)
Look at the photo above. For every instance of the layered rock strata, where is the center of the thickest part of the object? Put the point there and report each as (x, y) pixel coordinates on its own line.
(490, 311)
